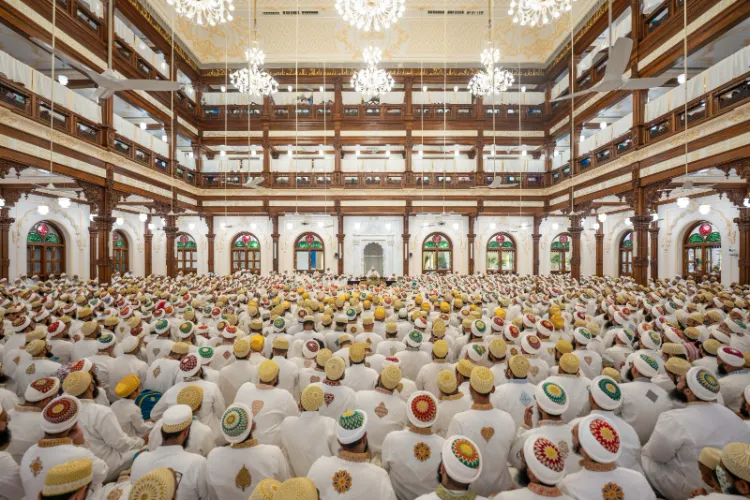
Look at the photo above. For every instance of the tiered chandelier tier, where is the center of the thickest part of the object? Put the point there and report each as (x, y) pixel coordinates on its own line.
(369, 15)
(372, 81)
(254, 80)
(493, 79)
(211, 12)
(537, 12)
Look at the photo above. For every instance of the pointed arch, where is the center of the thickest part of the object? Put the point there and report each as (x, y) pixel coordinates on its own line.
(245, 253)
(120, 252)
(309, 253)
(45, 250)
(625, 254)
(501, 253)
(437, 254)
(701, 251)
(560, 254)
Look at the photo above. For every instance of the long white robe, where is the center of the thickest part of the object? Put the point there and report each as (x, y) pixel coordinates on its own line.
(211, 410)
(587, 484)
(25, 430)
(642, 403)
(360, 378)
(337, 399)
(514, 397)
(11, 487)
(386, 412)
(449, 407)
(732, 387)
(270, 406)
(427, 377)
(411, 459)
(317, 432)
(493, 431)
(194, 482)
(337, 477)
(235, 471)
(130, 418)
(231, 377)
(670, 458)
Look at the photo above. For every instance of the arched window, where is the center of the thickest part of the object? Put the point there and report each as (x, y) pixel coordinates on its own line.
(309, 253)
(560, 254)
(120, 257)
(437, 254)
(45, 250)
(186, 254)
(501, 254)
(626, 254)
(246, 253)
(701, 254)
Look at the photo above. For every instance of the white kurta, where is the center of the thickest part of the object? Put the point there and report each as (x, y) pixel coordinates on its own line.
(411, 459)
(556, 431)
(318, 433)
(161, 374)
(514, 397)
(618, 483)
(337, 399)
(670, 458)
(577, 389)
(360, 378)
(200, 442)
(288, 375)
(194, 483)
(412, 362)
(538, 370)
(105, 436)
(234, 471)
(231, 377)
(449, 407)
(32, 369)
(41, 457)
(121, 367)
(386, 412)
(25, 430)
(427, 377)
(338, 477)
(732, 387)
(493, 431)
(270, 406)
(630, 443)
(11, 487)
(130, 418)
(591, 362)
(642, 403)
(211, 410)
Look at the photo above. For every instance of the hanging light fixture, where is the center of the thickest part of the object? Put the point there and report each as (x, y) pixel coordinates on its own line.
(602, 217)
(492, 80)
(254, 80)
(371, 14)
(2, 202)
(63, 202)
(683, 202)
(372, 81)
(537, 12)
(654, 217)
(628, 221)
(42, 209)
(704, 209)
(119, 221)
(596, 226)
(211, 12)
(151, 226)
(142, 217)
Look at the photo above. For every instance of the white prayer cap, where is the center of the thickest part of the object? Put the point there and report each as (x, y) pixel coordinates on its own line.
(422, 409)
(351, 426)
(41, 389)
(237, 423)
(544, 459)
(551, 398)
(702, 383)
(60, 414)
(731, 356)
(177, 418)
(606, 392)
(599, 438)
(646, 365)
(462, 459)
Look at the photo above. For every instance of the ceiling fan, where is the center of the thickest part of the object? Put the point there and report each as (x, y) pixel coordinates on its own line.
(619, 56)
(254, 183)
(108, 83)
(308, 222)
(687, 188)
(66, 193)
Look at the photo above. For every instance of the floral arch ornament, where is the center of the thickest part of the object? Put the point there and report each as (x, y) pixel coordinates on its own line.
(560, 254)
(45, 250)
(245, 253)
(186, 253)
(501, 253)
(309, 253)
(437, 254)
(120, 252)
(625, 256)
(701, 251)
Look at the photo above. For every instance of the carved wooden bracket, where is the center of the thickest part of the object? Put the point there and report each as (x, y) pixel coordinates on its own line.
(735, 195)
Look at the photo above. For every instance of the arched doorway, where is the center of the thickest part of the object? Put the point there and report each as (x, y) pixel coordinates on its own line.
(120, 252)
(309, 253)
(560, 254)
(186, 253)
(626, 254)
(501, 254)
(245, 253)
(701, 251)
(437, 254)
(373, 258)
(45, 250)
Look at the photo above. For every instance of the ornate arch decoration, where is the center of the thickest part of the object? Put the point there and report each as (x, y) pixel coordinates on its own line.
(437, 254)
(501, 253)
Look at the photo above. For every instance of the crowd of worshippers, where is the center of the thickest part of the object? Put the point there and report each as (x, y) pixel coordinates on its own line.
(436, 387)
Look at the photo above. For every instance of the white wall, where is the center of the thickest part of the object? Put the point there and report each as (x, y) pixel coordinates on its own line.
(360, 231)
(485, 227)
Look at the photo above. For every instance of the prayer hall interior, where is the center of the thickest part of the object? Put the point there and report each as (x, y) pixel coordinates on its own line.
(374, 249)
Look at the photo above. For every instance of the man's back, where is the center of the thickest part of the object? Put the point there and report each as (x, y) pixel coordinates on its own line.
(618, 483)
(193, 484)
(270, 407)
(642, 403)
(318, 434)
(233, 472)
(339, 478)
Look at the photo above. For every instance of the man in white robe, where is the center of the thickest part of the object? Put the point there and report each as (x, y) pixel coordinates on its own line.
(232, 376)
(358, 376)
(26, 419)
(128, 414)
(427, 377)
(576, 386)
(517, 393)
(642, 400)
(201, 436)
(337, 397)
(542, 469)
(126, 364)
(733, 376)
(386, 410)
(452, 402)
(461, 465)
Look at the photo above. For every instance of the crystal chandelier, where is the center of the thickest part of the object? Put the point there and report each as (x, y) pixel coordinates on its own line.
(492, 80)
(537, 12)
(254, 80)
(211, 12)
(371, 14)
(372, 81)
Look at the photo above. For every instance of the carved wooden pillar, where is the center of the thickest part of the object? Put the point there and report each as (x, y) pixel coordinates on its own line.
(405, 237)
(104, 225)
(640, 98)
(337, 99)
(470, 237)
(338, 153)
(408, 149)
(575, 231)
(5, 222)
(600, 250)
(266, 156)
(148, 238)
(275, 242)
(743, 224)
(535, 237)
(93, 236)
(108, 127)
(408, 98)
(170, 231)
(340, 238)
(641, 221)
(210, 236)
(549, 154)
(653, 231)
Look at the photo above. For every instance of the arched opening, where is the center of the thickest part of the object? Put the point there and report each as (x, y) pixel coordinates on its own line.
(626, 254)
(186, 253)
(245, 254)
(309, 253)
(501, 253)
(437, 254)
(373, 258)
(120, 252)
(45, 250)
(560, 254)
(701, 252)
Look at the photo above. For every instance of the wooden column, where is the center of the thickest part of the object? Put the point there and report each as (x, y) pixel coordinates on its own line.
(170, 231)
(108, 126)
(575, 231)
(93, 234)
(405, 237)
(653, 231)
(148, 238)
(641, 221)
(479, 145)
(408, 98)
(471, 236)
(210, 236)
(5, 222)
(266, 156)
(743, 224)
(275, 242)
(640, 98)
(600, 250)
(535, 237)
(408, 149)
(104, 225)
(340, 240)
